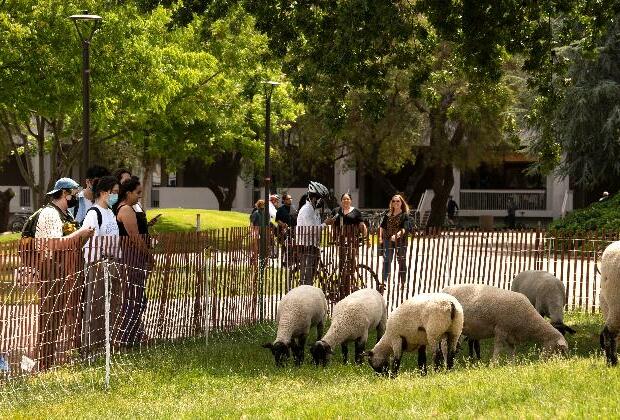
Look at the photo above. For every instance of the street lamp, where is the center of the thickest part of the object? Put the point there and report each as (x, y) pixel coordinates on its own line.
(269, 86)
(91, 23)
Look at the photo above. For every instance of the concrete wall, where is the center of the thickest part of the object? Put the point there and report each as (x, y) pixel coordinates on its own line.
(190, 198)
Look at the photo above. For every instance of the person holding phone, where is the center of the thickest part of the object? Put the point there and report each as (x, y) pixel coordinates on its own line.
(136, 258)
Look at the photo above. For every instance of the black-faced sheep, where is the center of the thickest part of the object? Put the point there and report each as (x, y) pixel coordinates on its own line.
(353, 317)
(300, 309)
(547, 293)
(505, 315)
(421, 321)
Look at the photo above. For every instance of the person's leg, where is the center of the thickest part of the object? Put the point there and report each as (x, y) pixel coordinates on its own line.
(388, 252)
(401, 256)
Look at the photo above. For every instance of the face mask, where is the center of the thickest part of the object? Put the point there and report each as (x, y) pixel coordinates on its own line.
(112, 199)
(72, 202)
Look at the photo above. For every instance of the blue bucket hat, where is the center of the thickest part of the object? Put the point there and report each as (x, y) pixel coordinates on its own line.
(64, 184)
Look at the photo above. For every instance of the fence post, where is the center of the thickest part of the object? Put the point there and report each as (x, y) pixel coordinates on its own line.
(106, 291)
(197, 222)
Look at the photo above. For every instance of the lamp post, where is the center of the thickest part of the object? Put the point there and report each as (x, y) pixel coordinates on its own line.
(269, 86)
(91, 23)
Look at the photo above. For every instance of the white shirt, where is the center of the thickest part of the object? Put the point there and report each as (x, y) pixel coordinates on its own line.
(308, 230)
(97, 247)
(272, 212)
(49, 224)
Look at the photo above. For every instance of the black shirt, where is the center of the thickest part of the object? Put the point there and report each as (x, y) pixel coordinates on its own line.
(452, 207)
(284, 215)
(354, 217)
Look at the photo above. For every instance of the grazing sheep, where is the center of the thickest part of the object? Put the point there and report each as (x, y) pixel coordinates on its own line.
(353, 316)
(547, 293)
(505, 315)
(421, 321)
(300, 309)
(610, 301)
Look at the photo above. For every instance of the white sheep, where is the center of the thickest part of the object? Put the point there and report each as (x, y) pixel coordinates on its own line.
(505, 315)
(353, 317)
(547, 293)
(610, 301)
(299, 310)
(424, 320)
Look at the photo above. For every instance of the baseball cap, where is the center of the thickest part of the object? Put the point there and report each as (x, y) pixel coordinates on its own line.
(64, 184)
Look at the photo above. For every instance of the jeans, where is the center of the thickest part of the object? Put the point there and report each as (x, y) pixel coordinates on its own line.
(309, 263)
(401, 256)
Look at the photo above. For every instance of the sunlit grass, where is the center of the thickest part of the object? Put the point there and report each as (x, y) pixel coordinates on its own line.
(233, 377)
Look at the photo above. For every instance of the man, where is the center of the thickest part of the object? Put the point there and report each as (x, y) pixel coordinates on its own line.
(453, 208)
(308, 231)
(85, 197)
(511, 219)
(285, 222)
(274, 203)
(56, 283)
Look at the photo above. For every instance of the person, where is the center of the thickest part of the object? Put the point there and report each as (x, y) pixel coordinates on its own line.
(285, 223)
(308, 231)
(393, 229)
(274, 203)
(453, 209)
(101, 253)
(256, 222)
(85, 197)
(54, 221)
(122, 175)
(348, 225)
(511, 218)
(136, 258)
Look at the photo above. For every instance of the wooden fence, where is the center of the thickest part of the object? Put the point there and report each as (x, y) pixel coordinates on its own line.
(180, 285)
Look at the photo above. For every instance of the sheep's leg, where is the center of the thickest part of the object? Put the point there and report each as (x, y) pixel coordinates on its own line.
(398, 346)
(500, 340)
(438, 357)
(422, 359)
(345, 352)
(299, 350)
(477, 348)
(319, 330)
(360, 346)
(451, 341)
(610, 345)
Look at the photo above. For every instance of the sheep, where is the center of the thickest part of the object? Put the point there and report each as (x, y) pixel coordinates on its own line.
(421, 321)
(547, 293)
(505, 315)
(299, 310)
(352, 318)
(610, 301)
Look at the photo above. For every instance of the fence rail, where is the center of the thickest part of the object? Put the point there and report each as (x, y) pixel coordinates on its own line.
(498, 199)
(174, 286)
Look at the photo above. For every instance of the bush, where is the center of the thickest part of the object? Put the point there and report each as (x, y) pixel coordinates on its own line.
(601, 216)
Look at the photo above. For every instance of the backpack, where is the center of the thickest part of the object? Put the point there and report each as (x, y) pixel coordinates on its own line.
(30, 227)
(99, 215)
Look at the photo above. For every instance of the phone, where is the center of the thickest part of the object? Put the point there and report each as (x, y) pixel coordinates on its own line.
(154, 220)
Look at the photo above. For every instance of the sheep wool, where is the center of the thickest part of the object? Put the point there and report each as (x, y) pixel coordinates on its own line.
(352, 319)
(506, 316)
(547, 293)
(299, 310)
(421, 321)
(610, 301)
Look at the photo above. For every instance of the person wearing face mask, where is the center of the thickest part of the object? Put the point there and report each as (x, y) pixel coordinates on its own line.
(136, 258)
(54, 221)
(102, 249)
(85, 197)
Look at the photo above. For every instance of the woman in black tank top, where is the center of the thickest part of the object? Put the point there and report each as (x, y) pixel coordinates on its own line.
(137, 259)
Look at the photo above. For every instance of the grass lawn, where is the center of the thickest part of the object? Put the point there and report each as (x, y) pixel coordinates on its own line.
(7, 237)
(234, 377)
(182, 220)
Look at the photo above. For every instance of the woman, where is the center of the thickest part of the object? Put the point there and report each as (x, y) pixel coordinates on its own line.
(102, 255)
(133, 228)
(393, 233)
(256, 221)
(348, 225)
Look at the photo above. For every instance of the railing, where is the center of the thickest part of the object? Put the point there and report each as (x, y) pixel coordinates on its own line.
(24, 197)
(499, 199)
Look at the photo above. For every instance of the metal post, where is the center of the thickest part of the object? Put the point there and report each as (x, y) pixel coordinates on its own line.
(106, 291)
(85, 106)
(197, 222)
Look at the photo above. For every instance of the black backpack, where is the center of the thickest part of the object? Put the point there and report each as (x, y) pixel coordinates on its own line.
(99, 215)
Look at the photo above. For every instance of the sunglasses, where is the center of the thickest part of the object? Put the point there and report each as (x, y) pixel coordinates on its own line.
(396, 201)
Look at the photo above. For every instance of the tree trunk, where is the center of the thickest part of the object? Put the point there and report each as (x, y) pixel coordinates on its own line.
(5, 200)
(225, 189)
(443, 180)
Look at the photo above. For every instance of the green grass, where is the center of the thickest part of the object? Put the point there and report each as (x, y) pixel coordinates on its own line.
(234, 377)
(184, 220)
(7, 237)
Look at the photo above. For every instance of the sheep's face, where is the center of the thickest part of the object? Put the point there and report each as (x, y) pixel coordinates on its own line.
(321, 352)
(280, 351)
(559, 346)
(378, 362)
(563, 328)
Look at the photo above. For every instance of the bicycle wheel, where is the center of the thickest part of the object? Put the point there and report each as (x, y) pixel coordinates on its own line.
(366, 277)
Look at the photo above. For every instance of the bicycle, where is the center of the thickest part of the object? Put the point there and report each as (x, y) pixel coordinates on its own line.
(328, 275)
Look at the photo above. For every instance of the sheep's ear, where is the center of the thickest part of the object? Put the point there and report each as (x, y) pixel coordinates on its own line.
(267, 346)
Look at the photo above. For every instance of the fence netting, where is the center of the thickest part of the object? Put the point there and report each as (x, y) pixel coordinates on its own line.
(76, 315)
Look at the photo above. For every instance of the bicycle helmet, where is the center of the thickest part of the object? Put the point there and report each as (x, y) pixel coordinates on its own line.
(318, 189)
